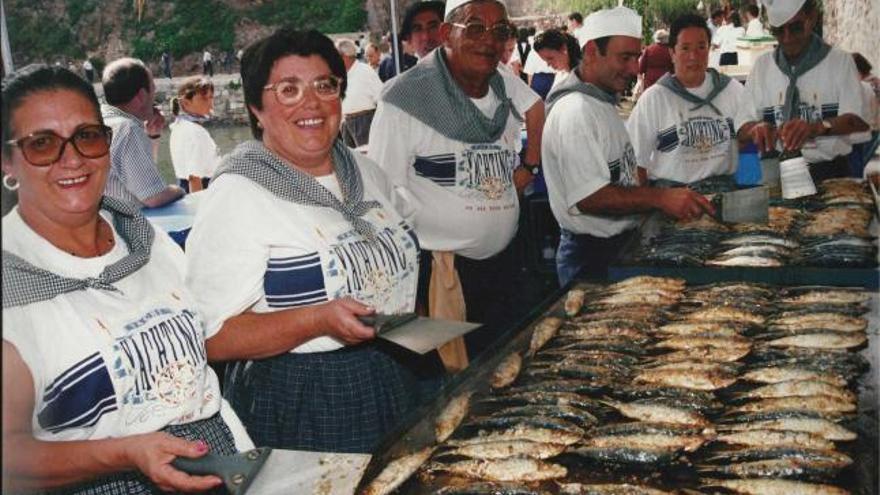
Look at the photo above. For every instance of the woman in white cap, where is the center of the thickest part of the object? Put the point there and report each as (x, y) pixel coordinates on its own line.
(685, 127)
(806, 91)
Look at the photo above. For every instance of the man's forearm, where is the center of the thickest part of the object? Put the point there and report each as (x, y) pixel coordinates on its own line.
(167, 195)
(616, 200)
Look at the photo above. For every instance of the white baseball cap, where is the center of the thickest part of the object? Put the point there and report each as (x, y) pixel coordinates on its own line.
(454, 4)
(781, 11)
(619, 21)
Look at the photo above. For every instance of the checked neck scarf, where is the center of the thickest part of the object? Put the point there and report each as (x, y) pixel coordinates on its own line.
(254, 161)
(24, 283)
(430, 94)
(815, 53)
(719, 83)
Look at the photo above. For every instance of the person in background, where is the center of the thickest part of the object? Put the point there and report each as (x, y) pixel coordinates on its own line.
(595, 189)
(89, 70)
(686, 127)
(806, 92)
(373, 56)
(559, 50)
(165, 61)
(540, 74)
(509, 60)
(194, 154)
(105, 378)
(363, 87)
(317, 244)
(726, 38)
(754, 28)
(207, 63)
(656, 60)
(137, 126)
(716, 20)
(574, 23)
(447, 135)
(420, 30)
(863, 142)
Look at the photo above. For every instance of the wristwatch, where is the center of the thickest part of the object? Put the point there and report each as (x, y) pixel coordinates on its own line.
(532, 169)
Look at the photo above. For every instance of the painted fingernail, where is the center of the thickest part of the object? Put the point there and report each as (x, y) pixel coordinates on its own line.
(202, 446)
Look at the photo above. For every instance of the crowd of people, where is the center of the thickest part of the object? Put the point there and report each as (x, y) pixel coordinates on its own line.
(360, 193)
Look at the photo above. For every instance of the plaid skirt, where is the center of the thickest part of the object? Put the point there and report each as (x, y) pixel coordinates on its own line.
(339, 401)
(212, 430)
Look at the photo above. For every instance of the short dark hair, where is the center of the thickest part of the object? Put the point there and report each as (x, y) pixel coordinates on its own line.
(416, 9)
(188, 88)
(260, 56)
(862, 65)
(457, 14)
(555, 39)
(735, 19)
(753, 10)
(577, 17)
(685, 21)
(717, 13)
(35, 78)
(123, 79)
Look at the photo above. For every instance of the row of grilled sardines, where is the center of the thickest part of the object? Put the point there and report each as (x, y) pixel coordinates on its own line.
(648, 387)
(835, 234)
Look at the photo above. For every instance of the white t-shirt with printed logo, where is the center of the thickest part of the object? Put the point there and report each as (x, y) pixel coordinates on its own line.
(673, 142)
(828, 90)
(111, 364)
(464, 195)
(585, 147)
(250, 250)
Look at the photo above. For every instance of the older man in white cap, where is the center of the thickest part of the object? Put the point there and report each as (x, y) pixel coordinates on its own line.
(446, 133)
(589, 164)
(806, 91)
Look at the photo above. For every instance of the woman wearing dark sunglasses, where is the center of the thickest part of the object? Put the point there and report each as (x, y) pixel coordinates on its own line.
(105, 379)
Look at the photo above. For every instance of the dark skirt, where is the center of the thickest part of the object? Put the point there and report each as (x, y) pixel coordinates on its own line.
(212, 430)
(340, 401)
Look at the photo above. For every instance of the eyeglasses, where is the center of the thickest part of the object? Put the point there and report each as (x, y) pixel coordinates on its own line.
(500, 32)
(291, 91)
(44, 148)
(794, 29)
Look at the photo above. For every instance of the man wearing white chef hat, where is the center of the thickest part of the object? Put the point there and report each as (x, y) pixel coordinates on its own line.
(592, 177)
(446, 132)
(806, 91)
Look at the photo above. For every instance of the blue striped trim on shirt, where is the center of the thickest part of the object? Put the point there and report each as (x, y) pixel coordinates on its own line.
(438, 168)
(829, 110)
(667, 139)
(79, 397)
(614, 168)
(768, 115)
(294, 281)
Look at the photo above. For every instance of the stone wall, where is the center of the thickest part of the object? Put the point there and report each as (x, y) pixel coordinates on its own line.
(854, 26)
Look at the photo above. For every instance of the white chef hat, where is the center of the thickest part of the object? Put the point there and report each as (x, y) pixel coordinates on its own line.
(454, 4)
(781, 11)
(619, 21)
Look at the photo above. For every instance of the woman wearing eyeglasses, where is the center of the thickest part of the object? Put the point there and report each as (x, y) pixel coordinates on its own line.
(193, 151)
(105, 378)
(296, 238)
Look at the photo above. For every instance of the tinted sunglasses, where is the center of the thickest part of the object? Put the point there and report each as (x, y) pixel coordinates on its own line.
(44, 148)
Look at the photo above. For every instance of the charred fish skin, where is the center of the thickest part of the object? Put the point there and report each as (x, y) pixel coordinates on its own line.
(627, 455)
(659, 413)
(451, 416)
(574, 301)
(487, 488)
(822, 340)
(776, 438)
(505, 449)
(609, 489)
(397, 472)
(507, 371)
(503, 422)
(570, 414)
(544, 331)
(686, 378)
(801, 455)
(819, 403)
(794, 388)
(520, 469)
(762, 486)
(771, 375)
(777, 468)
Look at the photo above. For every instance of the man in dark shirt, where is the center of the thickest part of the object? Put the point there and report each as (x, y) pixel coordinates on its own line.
(421, 30)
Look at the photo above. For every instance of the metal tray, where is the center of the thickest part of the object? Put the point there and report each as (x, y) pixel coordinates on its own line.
(628, 266)
(861, 478)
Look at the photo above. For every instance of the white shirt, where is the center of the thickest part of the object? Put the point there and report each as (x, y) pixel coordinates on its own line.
(250, 250)
(464, 195)
(193, 151)
(585, 147)
(362, 91)
(830, 89)
(673, 142)
(87, 65)
(112, 364)
(755, 29)
(536, 65)
(726, 37)
(207, 57)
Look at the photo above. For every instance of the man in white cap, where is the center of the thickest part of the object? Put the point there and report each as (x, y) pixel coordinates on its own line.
(446, 132)
(806, 92)
(589, 164)
(686, 127)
